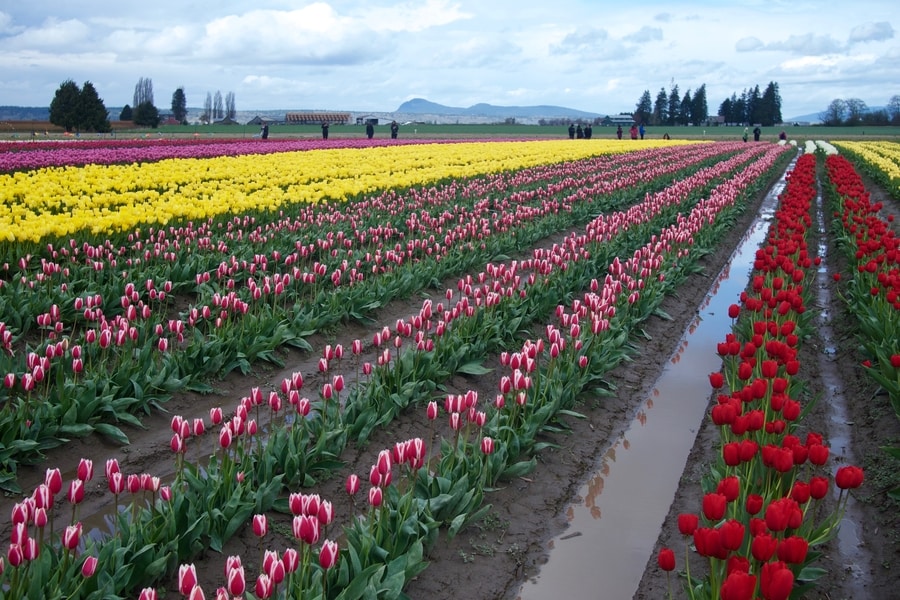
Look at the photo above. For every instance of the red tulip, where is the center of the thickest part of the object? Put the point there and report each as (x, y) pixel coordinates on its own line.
(187, 579)
(714, 506)
(687, 523)
(76, 491)
(260, 525)
(716, 380)
(147, 594)
(754, 503)
(15, 555)
(53, 480)
(729, 487)
(800, 492)
(236, 582)
(325, 513)
(732, 534)
(818, 454)
(666, 559)
(818, 487)
(264, 586)
(763, 547)
(738, 586)
(708, 542)
(328, 555)
(793, 549)
(352, 485)
(776, 581)
(71, 536)
(291, 560)
(848, 477)
(89, 567)
(85, 469)
(487, 445)
(375, 496)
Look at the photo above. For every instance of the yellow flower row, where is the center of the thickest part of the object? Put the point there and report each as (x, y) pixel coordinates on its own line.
(62, 201)
(882, 156)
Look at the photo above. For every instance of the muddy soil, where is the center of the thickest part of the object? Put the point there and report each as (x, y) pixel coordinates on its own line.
(491, 559)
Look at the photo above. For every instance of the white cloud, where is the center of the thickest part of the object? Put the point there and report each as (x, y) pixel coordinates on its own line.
(351, 54)
(872, 32)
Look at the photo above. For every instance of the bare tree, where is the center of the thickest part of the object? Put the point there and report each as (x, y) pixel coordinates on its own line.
(143, 91)
(207, 108)
(834, 114)
(230, 110)
(218, 106)
(893, 109)
(856, 110)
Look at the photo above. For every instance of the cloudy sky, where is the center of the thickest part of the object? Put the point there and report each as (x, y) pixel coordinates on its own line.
(362, 55)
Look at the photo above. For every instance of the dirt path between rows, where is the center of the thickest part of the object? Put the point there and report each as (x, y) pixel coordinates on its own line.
(492, 559)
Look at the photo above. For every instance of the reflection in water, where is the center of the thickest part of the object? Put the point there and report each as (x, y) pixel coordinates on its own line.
(639, 474)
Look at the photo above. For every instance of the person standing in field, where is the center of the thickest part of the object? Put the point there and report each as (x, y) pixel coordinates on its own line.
(641, 130)
(370, 130)
(579, 132)
(324, 130)
(571, 131)
(633, 131)
(619, 132)
(746, 133)
(756, 133)
(588, 131)
(395, 129)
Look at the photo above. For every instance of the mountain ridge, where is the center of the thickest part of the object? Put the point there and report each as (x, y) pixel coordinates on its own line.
(482, 109)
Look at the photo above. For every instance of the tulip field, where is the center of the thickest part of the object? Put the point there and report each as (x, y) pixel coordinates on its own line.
(300, 369)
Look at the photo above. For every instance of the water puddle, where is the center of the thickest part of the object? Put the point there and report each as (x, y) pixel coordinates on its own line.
(614, 525)
(849, 543)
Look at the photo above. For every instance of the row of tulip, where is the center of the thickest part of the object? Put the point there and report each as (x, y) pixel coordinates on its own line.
(879, 160)
(20, 156)
(99, 331)
(872, 290)
(409, 513)
(54, 203)
(765, 510)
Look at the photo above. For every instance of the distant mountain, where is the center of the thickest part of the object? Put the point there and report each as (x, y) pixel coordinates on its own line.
(422, 106)
(24, 113)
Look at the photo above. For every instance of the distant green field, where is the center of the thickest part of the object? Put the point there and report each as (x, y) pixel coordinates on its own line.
(430, 131)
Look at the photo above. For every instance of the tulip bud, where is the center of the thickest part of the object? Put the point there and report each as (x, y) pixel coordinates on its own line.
(89, 567)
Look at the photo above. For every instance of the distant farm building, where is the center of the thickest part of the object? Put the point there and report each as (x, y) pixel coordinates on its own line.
(620, 119)
(311, 118)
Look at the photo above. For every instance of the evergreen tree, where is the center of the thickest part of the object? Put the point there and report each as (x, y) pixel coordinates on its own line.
(684, 110)
(92, 114)
(754, 106)
(644, 108)
(699, 109)
(674, 106)
(146, 115)
(770, 105)
(126, 114)
(65, 105)
(179, 105)
(661, 108)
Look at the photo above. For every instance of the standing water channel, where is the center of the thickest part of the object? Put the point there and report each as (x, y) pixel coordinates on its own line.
(614, 525)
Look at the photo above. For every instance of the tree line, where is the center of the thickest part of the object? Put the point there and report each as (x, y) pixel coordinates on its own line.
(853, 111)
(673, 108)
(82, 109)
